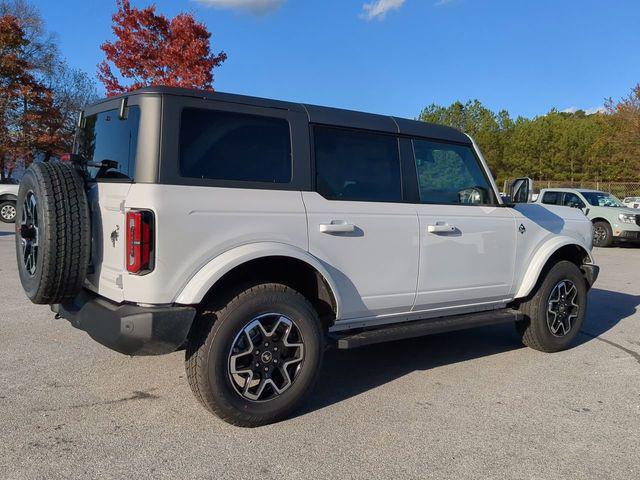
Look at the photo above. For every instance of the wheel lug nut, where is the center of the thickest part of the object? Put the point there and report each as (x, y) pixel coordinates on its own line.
(266, 344)
(257, 364)
(266, 369)
(275, 360)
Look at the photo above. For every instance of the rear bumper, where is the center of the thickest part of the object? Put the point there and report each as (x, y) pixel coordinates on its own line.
(128, 329)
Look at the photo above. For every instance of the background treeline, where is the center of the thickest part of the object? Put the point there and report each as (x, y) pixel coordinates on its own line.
(41, 97)
(40, 94)
(573, 147)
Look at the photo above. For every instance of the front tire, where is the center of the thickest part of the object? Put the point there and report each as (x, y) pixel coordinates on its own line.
(556, 311)
(254, 361)
(8, 211)
(602, 234)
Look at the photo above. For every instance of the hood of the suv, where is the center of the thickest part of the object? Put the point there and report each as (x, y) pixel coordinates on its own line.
(612, 211)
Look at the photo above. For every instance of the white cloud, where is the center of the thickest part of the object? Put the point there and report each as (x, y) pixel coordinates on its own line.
(255, 7)
(378, 9)
(442, 3)
(591, 111)
(588, 111)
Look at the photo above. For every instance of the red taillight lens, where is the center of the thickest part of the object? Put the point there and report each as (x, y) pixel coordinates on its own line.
(139, 241)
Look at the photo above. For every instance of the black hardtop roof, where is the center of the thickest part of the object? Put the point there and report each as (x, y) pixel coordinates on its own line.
(321, 115)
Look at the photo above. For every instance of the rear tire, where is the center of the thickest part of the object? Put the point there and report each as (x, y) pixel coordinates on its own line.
(8, 211)
(556, 311)
(53, 237)
(236, 370)
(602, 234)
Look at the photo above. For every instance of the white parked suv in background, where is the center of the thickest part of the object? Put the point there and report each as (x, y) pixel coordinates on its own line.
(612, 220)
(631, 202)
(254, 233)
(8, 196)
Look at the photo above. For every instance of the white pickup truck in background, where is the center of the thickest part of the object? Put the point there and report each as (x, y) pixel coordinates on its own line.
(8, 196)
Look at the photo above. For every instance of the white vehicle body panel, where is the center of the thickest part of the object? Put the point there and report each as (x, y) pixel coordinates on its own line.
(548, 228)
(107, 203)
(9, 189)
(375, 266)
(473, 263)
(194, 225)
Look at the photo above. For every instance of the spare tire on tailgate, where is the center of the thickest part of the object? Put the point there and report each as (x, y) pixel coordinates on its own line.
(53, 232)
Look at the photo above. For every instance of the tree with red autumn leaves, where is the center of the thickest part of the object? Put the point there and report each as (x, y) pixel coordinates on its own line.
(29, 119)
(40, 95)
(151, 49)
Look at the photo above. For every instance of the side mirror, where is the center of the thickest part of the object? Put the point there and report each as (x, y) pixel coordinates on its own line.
(522, 190)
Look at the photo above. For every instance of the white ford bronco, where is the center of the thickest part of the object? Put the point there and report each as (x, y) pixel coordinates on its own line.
(254, 233)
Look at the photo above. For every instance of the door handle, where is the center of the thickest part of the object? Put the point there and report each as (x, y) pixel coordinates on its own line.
(441, 228)
(337, 226)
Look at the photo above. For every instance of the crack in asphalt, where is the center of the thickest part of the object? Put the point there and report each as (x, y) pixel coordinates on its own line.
(633, 353)
(137, 395)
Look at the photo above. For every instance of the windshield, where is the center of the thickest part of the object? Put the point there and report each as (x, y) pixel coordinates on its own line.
(601, 199)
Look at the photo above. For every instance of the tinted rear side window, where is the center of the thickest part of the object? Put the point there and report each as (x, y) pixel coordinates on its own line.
(105, 136)
(551, 198)
(233, 146)
(358, 166)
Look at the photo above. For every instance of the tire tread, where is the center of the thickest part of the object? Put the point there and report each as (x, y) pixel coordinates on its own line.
(205, 332)
(66, 250)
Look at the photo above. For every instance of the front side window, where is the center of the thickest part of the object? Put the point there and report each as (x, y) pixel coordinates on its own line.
(551, 198)
(234, 146)
(107, 139)
(450, 174)
(356, 165)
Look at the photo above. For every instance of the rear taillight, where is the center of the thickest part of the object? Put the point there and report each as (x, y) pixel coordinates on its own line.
(139, 241)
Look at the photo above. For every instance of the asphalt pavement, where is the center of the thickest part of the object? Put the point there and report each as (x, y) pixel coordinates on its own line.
(472, 404)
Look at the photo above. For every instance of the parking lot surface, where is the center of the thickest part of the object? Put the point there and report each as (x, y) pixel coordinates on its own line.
(472, 404)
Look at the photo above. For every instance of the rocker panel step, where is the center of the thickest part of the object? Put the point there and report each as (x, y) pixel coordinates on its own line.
(419, 328)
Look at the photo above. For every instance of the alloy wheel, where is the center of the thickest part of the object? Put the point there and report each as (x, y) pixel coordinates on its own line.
(599, 234)
(28, 232)
(8, 212)
(562, 308)
(266, 357)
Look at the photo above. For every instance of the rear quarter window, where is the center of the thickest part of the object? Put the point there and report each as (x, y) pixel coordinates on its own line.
(234, 146)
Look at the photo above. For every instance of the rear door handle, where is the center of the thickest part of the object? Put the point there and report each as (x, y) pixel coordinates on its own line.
(337, 226)
(441, 228)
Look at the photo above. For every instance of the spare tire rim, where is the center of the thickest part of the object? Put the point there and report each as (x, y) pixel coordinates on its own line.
(266, 357)
(562, 308)
(28, 231)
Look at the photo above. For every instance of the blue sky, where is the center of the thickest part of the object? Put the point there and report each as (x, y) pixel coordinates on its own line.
(397, 56)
